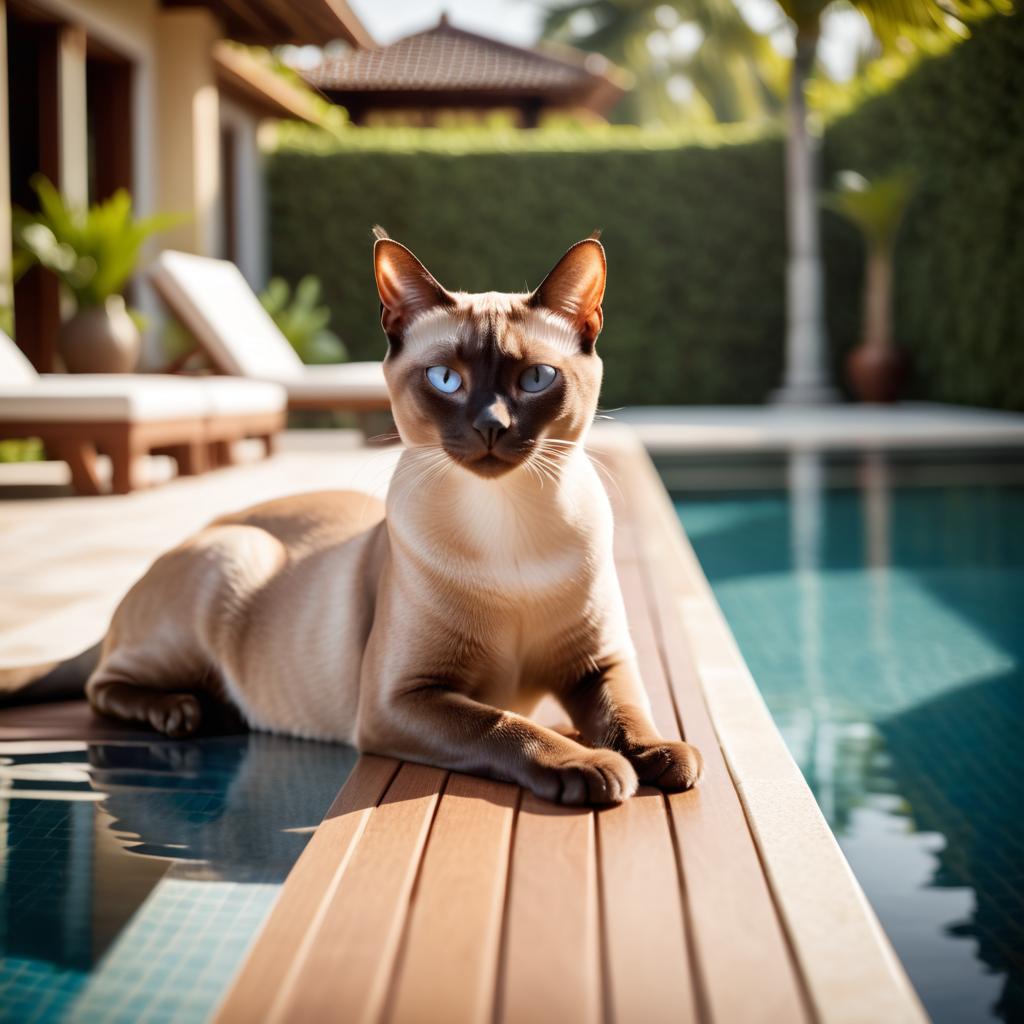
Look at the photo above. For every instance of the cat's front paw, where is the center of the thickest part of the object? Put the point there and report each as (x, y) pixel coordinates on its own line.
(670, 766)
(175, 714)
(593, 777)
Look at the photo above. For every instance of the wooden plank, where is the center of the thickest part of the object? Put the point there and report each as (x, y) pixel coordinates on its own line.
(306, 892)
(550, 969)
(735, 926)
(641, 630)
(448, 964)
(343, 971)
(647, 960)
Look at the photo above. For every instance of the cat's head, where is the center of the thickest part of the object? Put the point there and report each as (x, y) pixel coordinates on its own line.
(490, 376)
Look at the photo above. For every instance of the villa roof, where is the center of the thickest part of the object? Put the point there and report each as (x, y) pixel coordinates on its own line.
(273, 22)
(259, 88)
(450, 62)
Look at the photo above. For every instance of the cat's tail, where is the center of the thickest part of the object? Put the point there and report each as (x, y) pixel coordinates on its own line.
(54, 680)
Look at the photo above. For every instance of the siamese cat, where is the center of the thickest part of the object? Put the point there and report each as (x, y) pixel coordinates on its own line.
(427, 628)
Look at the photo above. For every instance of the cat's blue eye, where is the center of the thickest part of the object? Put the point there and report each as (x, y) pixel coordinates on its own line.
(537, 378)
(444, 378)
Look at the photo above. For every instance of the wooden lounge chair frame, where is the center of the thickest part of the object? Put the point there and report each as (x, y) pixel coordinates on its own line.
(196, 444)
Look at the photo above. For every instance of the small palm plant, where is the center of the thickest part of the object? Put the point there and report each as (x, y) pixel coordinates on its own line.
(303, 320)
(876, 209)
(93, 252)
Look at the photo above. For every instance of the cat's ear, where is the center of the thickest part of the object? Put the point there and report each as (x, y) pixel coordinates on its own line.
(575, 287)
(405, 286)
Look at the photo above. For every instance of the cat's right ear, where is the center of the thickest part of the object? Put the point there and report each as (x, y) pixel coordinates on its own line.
(405, 286)
(575, 289)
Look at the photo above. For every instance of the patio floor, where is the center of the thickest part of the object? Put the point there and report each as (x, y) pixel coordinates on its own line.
(432, 896)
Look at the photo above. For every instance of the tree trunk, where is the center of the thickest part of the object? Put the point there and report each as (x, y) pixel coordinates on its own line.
(877, 327)
(806, 379)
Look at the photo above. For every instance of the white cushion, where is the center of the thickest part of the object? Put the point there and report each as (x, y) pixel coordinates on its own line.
(233, 396)
(132, 397)
(214, 301)
(15, 369)
(99, 396)
(355, 381)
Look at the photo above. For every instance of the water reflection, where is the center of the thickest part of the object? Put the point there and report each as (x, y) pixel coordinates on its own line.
(91, 833)
(882, 623)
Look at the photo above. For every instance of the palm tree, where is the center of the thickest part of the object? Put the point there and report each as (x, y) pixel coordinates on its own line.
(730, 67)
(807, 380)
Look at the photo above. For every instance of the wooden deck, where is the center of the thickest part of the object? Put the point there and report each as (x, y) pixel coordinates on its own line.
(427, 896)
(430, 896)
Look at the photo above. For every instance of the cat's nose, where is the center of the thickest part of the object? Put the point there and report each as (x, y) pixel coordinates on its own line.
(491, 422)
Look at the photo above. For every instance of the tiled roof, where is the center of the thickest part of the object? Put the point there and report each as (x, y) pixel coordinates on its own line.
(447, 59)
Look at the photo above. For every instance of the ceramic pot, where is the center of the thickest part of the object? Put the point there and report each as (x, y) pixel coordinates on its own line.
(877, 370)
(100, 339)
(877, 374)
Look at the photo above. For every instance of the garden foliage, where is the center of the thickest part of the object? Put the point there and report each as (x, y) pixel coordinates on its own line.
(694, 227)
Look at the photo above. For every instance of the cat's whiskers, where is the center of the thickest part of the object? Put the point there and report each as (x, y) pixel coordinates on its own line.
(421, 461)
(558, 446)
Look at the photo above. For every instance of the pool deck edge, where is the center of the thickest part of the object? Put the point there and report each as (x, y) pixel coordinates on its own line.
(850, 969)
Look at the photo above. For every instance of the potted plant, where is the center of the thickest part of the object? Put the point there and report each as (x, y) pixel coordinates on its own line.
(303, 320)
(876, 368)
(92, 252)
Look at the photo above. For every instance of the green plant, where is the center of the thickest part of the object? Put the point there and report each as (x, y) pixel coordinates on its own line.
(92, 251)
(874, 207)
(303, 320)
(28, 450)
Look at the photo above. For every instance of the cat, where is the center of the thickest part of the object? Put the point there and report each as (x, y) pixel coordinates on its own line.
(427, 628)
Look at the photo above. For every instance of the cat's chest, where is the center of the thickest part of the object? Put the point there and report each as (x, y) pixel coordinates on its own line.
(529, 647)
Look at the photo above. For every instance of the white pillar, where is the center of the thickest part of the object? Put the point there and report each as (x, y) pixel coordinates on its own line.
(188, 135)
(73, 144)
(806, 380)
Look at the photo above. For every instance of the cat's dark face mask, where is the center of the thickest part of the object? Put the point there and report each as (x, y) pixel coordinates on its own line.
(496, 380)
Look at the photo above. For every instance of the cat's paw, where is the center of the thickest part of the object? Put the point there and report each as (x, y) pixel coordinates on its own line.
(670, 766)
(592, 777)
(175, 714)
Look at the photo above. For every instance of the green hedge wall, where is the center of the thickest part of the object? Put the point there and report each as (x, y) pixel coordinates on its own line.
(694, 230)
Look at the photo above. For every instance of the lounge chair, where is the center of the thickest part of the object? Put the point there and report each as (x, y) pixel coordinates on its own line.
(214, 302)
(193, 419)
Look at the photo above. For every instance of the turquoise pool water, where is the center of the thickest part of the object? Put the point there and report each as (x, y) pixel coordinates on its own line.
(134, 876)
(883, 620)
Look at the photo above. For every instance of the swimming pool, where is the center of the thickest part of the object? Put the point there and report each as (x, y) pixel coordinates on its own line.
(134, 875)
(879, 601)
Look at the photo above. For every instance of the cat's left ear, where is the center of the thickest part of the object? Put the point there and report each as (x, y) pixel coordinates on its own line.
(405, 287)
(575, 287)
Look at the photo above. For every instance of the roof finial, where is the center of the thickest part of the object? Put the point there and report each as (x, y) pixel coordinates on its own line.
(443, 23)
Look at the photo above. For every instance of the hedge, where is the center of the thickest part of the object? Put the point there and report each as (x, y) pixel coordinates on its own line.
(694, 230)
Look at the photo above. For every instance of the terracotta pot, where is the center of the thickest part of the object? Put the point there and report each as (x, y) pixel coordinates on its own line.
(100, 339)
(877, 369)
(877, 374)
